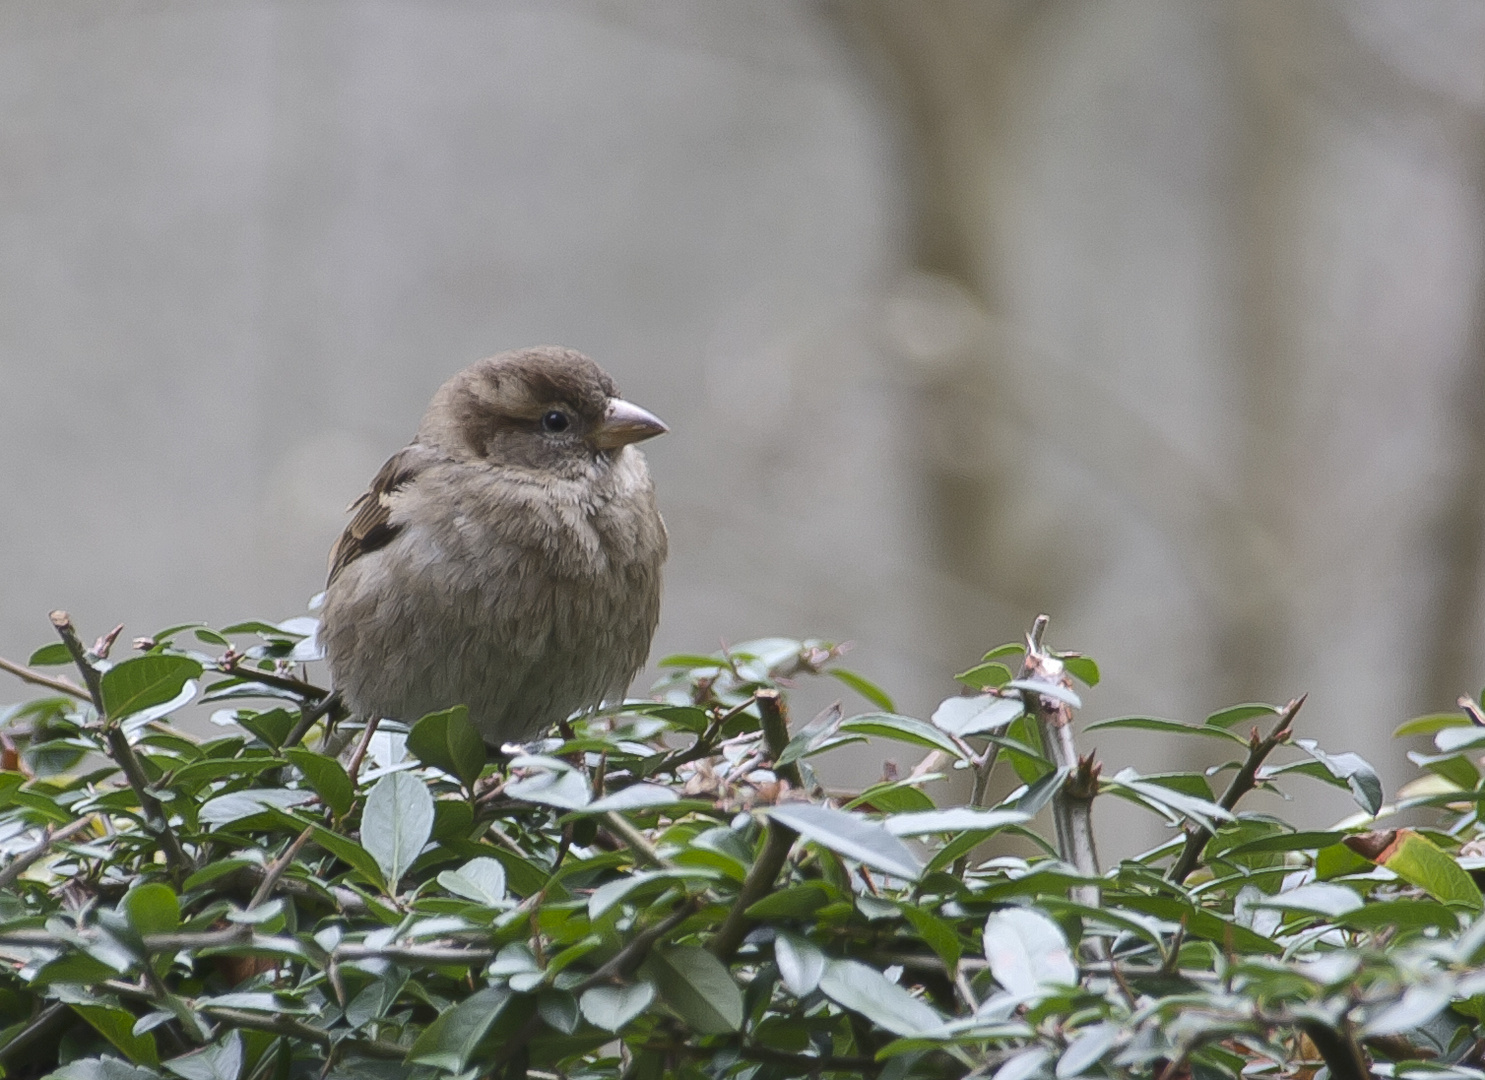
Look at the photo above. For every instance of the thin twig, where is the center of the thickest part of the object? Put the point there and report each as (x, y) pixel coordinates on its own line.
(297, 1029)
(33, 1031)
(359, 754)
(278, 866)
(1243, 782)
(777, 840)
(308, 717)
(637, 841)
(18, 865)
(234, 668)
(26, 674)
(631, 955)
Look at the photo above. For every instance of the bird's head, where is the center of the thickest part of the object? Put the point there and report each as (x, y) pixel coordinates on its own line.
(545, 408)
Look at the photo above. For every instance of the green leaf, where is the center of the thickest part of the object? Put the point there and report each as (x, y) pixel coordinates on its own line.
(1168, 727)
(611, 1007)
(449, 741)
(220, 1061)
(343, 848)
(53, 655)
(1010, 648)
(1023, 1065)
(938, 934)
(953, 820)
(327, 776)
(895, 796)
(397, 822)
(272, 726)
(1027, 951)
(1459, 738)
(1289, 841)
(903, 729)
(986, 676)
(795, 901)
(101, 1068)
(1418, 1005)
(450, 1041)
(138, 683)
(800, 962)
(1178, 804)
(1082, 668)
(1317, 898)
(117, 1026)
(1431, 724)
(634, 797)
(481, 879)
(236, 805)
(865, 990)
(1419, 861)
(866, 688)
(697, 987)
(152, 909)
(1236, 714)
(1086, 1049)
(1045, 688)
(1359, 776)
(552, 782)
(850, 835)
(977, 715)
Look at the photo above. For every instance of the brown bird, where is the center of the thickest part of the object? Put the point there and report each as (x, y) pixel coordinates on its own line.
(508, 559)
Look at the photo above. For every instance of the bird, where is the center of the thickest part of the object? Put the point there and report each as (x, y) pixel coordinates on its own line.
(508, 559)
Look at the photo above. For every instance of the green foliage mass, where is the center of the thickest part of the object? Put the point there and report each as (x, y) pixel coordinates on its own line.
(667, 889)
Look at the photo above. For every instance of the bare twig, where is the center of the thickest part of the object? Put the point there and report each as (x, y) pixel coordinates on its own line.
(278, 866)
(298, 1029)
(637, 841)
(308, 717)
(18, 865)
(234, 667)
(44, 1021)
(359, 754)
(777, 840)
(1243, 782)
(36, 678)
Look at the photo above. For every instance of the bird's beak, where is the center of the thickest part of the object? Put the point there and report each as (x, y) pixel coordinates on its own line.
(625, 423)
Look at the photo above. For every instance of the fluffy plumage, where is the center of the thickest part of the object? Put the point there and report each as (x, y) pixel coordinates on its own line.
(508, 559)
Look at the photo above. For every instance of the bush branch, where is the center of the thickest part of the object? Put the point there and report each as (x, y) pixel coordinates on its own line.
(18, 865)
(156, 820)
(1245, 781)
(36, 678)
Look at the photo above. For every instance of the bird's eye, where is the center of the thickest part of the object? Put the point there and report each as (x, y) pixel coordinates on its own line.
(555, 421)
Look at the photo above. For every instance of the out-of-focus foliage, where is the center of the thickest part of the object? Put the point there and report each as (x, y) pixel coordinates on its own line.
(668, 890)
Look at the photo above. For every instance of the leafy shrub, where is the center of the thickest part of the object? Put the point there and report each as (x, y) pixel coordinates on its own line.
(667, 890)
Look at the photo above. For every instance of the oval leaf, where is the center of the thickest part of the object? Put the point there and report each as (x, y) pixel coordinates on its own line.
(865, 990)
(1027, 951)
(136, 684)
(977, 715)
(611, 1007)
(800, 963)
(448, 741)
(850, 835)
(396, 823)
(697, 987)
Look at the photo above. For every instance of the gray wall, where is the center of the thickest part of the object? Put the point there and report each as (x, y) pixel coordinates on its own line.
(1161, 317)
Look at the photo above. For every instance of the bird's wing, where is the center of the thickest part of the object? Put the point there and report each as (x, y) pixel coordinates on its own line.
(371, 527)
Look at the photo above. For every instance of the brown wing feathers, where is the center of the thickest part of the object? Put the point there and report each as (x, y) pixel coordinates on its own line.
(371, 527)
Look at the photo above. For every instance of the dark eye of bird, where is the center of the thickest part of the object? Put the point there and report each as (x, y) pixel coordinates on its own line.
(555, 421)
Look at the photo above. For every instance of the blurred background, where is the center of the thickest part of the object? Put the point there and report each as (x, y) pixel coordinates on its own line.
(1163, 318)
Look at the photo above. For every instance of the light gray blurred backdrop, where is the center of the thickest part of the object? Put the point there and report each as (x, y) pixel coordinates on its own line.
(1164, 318)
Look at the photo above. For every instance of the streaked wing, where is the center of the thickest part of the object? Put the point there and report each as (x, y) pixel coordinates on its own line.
(371, 527)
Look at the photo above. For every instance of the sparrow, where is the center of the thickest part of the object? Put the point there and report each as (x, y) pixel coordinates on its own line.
(508, 559)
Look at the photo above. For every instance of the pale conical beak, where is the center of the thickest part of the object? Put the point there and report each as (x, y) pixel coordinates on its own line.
(625, 423)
